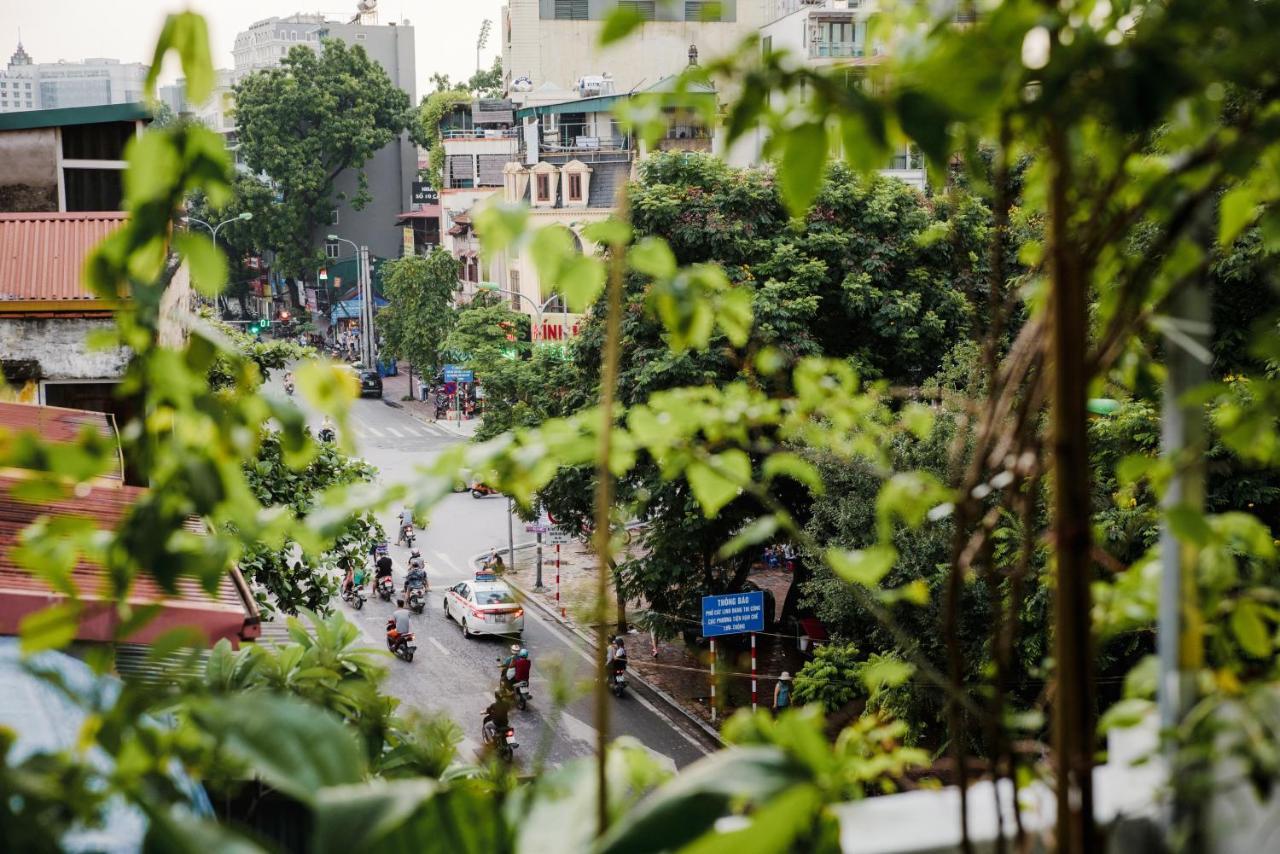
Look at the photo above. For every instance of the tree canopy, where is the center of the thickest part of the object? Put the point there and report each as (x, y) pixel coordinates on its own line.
(419, 314)
(303, 124)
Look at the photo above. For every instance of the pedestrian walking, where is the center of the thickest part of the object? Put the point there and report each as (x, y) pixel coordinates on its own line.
(782, 692)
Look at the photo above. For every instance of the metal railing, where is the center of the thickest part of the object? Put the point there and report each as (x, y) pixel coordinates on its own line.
(840, 50)
(480, 133)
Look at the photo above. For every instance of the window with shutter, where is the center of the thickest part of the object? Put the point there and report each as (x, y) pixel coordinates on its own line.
(645, 8)
(575, 188)
(571, 10)
(703, 10)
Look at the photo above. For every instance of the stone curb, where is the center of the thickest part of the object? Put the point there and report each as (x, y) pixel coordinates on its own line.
(655, 693)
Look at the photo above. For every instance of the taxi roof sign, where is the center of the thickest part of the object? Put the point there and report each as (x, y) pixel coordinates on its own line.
(486, 575)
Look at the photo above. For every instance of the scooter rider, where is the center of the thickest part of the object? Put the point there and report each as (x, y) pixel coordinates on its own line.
(507, 680)
(616, 658)
(523, 667)
(398, 625)
(383, 567)
(417, 574)
(406, 522)
(498, 713)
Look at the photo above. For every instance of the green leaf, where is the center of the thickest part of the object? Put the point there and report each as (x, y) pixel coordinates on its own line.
(1250, 629)
(499, 226)
(734, 316)
(689, 806)
(293, 745)
(155, 166)
(719, 481)
(171, 832)
(187, 33)
(863, 566)
(652, 257)
(757, 532)
(795, 467)
(358, 817)
(621, 21)
(609, 232)
(803, 160)
(1125, 714)
(581, 281)
(924, 119)
(1189, 525)
(51, 628)
(207, 263)
(918, 419)
(1236, 211)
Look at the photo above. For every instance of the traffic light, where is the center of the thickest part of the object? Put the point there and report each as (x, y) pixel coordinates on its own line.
(284, 315)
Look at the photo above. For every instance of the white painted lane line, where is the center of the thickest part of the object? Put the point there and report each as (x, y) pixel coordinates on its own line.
(444, 558)
(394, 432)
(375, 431)
(572, 641)
(439, 646)
(410, 431)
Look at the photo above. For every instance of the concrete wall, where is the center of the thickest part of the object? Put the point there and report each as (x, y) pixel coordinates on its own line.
(561, 52)
(29, 175)
(60, 347)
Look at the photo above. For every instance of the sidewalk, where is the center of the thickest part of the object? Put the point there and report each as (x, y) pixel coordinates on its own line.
(395, 389)
(680, 671)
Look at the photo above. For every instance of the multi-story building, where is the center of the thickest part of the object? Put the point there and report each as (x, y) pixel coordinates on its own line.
(558, 41)
(29, 85)
(391, 171)
(834, 33)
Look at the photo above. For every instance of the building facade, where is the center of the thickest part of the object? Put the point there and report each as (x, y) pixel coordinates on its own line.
(29, 85)
(557, 42)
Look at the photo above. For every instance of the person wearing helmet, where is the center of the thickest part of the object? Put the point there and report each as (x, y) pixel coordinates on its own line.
(417, 574)
(507, 669)
(523, 666)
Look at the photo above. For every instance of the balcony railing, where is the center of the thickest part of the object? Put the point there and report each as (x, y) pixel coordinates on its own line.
(839, 50)
(581, 137)
(480, 133)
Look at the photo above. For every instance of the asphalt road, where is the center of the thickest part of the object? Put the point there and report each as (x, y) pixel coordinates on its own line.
(457, 676)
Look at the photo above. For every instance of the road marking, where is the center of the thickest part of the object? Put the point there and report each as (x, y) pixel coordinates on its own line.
(573, 641)
(394, 432)
(445, 559)
(410, 431)
(374, 431)
(439, 646)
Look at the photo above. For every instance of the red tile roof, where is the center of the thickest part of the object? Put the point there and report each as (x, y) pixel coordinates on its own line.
(230, 613)
(42, 255)
(55, 425)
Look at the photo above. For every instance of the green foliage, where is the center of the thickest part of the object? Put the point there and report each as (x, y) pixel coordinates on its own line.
(250, 354)
(417, 320)
(487, 335)
(426, 127)
(303, 124)
(830, 678)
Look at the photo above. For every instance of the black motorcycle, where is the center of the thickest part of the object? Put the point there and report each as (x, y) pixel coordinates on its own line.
(328, 434)
(417, 599)
(407, 536)
(618, 679)
(386, 588)
(502, 741)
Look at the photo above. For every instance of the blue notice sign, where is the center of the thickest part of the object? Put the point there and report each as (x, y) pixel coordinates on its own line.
(458, 374)
(732, 614)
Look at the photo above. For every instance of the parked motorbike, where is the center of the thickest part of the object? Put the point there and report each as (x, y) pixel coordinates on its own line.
(402, 645)
(480, 490)
(618, 682)
(354, 597)
(502, 741)
(386, 588)
(417, 599)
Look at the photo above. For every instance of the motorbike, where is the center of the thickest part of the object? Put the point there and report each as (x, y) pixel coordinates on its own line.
(480, 490)
(386, 588)
(327, 434)
(402, 645)
(288, 389)
(417, 599)
(503, 742)
(618, 681)
(354, 597)
(523, 695)
(515, 692)
(407, 535)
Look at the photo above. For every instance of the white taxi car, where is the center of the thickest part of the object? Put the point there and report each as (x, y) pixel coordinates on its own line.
(484, 606)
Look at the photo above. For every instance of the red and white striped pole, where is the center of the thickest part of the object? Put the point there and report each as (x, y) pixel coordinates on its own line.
(558, 605)
(753, 672)
(713, 680)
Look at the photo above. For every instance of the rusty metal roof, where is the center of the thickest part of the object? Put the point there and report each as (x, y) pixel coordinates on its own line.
(229, 613)
(57, 426)
(42, 254)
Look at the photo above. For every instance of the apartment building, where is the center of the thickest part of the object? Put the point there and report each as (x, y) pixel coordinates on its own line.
(29, 85)
(557, 41)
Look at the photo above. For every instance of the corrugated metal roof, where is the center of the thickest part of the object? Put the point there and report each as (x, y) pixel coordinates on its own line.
(65, 116)
(56, 425)
(230, 612)
(42, 254)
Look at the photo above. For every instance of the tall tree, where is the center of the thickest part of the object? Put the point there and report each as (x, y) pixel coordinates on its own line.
(305, 123)
(420, 292)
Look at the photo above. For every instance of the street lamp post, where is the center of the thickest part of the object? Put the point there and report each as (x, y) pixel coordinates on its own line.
(368, 354)
(214, 229)
(537, 309)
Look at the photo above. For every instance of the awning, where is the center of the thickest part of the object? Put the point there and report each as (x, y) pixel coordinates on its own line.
(427, 212)
(231, 612)
(352, 307)
(55, 425)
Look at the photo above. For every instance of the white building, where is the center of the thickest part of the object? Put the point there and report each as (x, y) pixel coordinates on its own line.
(266, 42)
(557, 42)
(29, 85)
(834, 33)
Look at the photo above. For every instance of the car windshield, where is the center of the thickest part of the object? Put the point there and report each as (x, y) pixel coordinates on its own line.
(494, 597)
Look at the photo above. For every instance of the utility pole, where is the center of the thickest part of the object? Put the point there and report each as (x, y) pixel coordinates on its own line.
(482, 40)
(368, 353)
